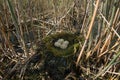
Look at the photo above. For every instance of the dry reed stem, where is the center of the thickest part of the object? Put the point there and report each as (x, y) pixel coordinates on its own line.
(115, 73)
(89, 31)
(58, 22)
(97, 46)
(109, 24)
(108, 39)
(7, 42)
(85, 16)
(110, 64)
(21, 30)
(107, 43)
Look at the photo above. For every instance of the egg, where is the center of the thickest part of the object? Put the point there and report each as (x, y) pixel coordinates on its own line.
(66, 42)
(60, 41)
(57, 44)
(63, 46)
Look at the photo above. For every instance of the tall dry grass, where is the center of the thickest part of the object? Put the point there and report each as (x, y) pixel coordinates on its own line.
(23, 23)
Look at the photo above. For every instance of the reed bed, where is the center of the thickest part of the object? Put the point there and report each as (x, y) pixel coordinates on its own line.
(24, 23)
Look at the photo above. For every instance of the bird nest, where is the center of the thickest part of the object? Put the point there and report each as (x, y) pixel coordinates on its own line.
(62, 44)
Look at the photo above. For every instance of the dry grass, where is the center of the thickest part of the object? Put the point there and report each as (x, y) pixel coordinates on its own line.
(24, 23)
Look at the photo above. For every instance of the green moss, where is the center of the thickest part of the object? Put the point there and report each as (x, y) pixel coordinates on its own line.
(70, 50)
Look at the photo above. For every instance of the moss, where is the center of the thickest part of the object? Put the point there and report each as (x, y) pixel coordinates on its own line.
(70, 50)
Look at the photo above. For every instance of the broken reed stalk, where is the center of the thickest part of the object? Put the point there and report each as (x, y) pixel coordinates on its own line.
(89, 31)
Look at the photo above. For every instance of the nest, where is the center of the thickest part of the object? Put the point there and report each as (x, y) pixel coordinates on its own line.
(71, 49)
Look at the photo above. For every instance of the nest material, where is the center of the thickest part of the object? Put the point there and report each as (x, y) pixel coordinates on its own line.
(70, 50)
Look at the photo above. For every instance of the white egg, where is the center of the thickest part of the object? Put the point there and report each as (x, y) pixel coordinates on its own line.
(60, 41)
(57, 44)
(66, 42)
(63, 46)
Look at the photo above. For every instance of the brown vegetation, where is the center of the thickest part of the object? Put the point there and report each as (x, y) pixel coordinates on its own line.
(25, 23)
